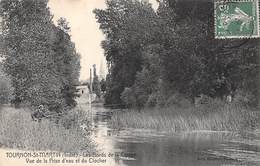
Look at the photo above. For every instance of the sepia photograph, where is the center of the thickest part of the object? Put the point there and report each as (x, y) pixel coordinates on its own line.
(129, 82)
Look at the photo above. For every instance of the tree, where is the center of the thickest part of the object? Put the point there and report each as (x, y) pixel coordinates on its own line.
(153, 56)
(103, 85)
(5, 87)
(96, 84)
(121, 23)
(27, 37)
(196, 63)
(67, 62)
(41, 72)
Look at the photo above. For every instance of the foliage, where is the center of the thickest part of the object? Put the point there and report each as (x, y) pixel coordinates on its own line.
(38, 56)
(67, 60)
(6, 89)
(96, 83)
(103, 85)
(127, 96)
(25, 134)
(172, 51)
(124, 24)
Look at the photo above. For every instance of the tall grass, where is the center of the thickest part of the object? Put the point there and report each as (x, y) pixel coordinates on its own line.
(223, 117)
(18, 131)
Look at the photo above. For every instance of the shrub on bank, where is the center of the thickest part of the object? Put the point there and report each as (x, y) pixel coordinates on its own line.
(6, 90)
(18, 131)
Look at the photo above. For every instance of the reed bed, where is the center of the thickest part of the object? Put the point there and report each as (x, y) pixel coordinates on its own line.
(226, 117)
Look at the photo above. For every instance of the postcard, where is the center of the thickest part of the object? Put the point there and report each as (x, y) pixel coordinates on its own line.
(129, 82)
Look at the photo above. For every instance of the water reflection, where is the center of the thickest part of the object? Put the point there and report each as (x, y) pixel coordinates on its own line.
(139, 147)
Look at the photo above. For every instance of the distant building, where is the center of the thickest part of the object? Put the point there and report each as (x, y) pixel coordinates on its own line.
(82, 89)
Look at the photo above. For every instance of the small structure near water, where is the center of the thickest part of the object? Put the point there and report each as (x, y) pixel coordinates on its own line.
(82, 89)
(83, 92)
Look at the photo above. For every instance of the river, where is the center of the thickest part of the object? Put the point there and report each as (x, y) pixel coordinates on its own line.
(139, 147)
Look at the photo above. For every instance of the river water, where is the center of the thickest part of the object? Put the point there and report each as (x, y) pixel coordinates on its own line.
(140, 147)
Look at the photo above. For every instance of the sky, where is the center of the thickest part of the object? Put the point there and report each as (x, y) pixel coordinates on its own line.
(85, 31)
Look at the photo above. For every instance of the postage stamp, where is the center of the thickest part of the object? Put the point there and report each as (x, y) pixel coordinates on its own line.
(236, 19)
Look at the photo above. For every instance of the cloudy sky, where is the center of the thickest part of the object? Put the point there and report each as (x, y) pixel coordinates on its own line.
(84, 30)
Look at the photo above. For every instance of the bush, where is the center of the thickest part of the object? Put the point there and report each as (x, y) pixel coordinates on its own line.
(152, 100)
(18, 131)
(245, 98)
(6, 89)
(178, 100)
(206, 104)
(127, 96)
(74, 118)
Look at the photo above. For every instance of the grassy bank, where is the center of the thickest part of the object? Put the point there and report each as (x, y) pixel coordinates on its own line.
(18, 131)
(217, 118)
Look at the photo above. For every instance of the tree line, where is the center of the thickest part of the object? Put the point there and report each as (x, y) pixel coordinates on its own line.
(39, 57)
(155, 56)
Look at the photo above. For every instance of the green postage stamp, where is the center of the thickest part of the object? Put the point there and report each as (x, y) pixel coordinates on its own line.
(236, 19)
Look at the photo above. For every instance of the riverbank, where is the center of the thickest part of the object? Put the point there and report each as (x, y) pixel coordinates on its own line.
(19, 131)
(226, 117)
